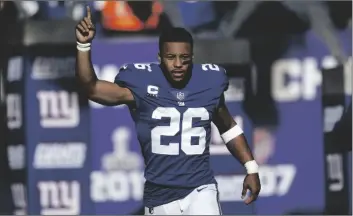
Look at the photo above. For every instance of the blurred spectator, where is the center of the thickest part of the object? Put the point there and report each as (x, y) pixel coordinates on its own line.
(315, 15)
(63, 9)
(130, 16)
(231, 18)
(198, 15)
(8, 13)
(111, 16)
(48, 10)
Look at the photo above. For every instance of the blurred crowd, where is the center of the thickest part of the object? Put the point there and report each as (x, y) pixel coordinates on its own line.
(218, 18)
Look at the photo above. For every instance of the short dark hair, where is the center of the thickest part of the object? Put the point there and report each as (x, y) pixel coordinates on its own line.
(176, 34)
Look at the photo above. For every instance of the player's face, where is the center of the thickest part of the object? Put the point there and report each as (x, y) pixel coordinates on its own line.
(176, 57)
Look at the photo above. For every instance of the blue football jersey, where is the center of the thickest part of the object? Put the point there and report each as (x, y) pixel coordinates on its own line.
(173, 127)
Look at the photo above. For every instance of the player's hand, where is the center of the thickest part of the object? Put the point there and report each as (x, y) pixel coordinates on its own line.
(251, 182)
(85, 30)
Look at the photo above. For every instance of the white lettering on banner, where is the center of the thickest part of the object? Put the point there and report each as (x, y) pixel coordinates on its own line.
(18, 191)
(15, 70)
(16, 156)
(331, 116)
(276, 180)
(305, 79)
(235, 91)
(107, 72)
(14, 111)
(68, 155)
(217, 146)
(53, 68)
(121, 157)
(59, 198)
(294, 79)
(116, 186)
(58, 109)
(335, 171)
(122, 178)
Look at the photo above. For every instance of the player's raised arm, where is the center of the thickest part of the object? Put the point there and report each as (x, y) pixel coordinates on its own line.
(236, 142)
(100, 91)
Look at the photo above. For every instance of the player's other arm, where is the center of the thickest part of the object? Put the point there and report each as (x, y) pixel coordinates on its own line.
(103, 92)
(232, 134)
(236, 143)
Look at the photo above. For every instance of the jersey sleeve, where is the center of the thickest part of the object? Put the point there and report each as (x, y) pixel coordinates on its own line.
(124, 78)
(224, 80)
(224, 83)
(128, 77)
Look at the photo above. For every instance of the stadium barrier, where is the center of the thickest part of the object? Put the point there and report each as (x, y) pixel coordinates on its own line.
(334, 102)
(49, 146)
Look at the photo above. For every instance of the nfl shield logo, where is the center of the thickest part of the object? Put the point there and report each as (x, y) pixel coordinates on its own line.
(180, 96)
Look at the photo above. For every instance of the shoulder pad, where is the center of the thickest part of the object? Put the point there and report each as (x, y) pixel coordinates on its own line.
(219, 75)
(129, 72)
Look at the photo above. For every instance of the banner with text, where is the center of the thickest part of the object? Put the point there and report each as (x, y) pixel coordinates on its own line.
(57, 128)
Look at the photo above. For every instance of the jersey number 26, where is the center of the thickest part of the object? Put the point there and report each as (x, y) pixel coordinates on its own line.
(187, 131)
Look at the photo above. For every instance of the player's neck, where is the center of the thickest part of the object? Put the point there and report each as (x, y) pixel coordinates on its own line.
(177, 85)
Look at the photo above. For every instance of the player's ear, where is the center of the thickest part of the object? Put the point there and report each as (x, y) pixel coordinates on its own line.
(159, 57)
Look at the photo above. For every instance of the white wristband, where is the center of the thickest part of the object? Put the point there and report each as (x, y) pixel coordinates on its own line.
(83, 47)
(251, 167)
(231, 133)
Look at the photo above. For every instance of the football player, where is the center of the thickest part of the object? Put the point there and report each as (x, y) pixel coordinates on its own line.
(172, 104)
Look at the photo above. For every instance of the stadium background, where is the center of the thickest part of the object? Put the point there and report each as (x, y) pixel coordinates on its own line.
(61, 154)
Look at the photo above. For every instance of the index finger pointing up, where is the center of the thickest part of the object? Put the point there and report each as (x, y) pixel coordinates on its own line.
(88, 12)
